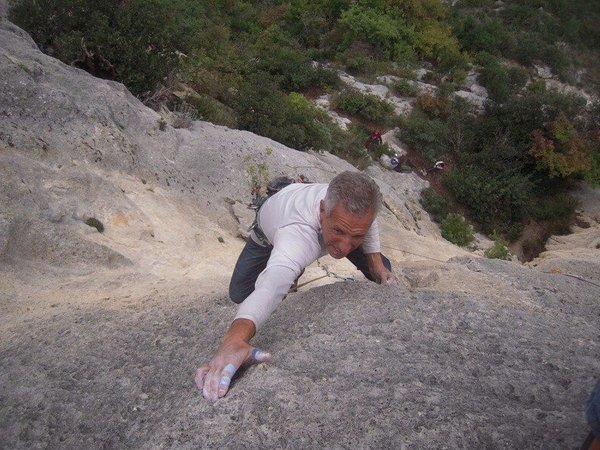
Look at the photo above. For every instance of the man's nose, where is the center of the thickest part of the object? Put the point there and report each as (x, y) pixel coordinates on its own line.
(346, 246)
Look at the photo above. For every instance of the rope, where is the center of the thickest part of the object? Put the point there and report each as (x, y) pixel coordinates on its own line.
(415, 254)
(577, 277)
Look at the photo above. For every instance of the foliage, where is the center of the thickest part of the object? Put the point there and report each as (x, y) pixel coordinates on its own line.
(455, 229)
(499, 250)
(95, 223)
(212, 110)
(439, 124)
(134, 42)
(290, 119)
(367, 106)
(592, 176)
(564, 152)
(537, 106)
(259, 177)
(405, 88)
(494, 77)
(495, 200)
(559, 206)
(482, 34)
(390, 37)
(436, 205)
(426, 136)
(254, 65)
(285, 61)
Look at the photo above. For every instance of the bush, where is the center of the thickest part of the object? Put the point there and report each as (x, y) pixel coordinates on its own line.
(560, 206)
(494, 200)
(389, 35)
(212, 110)
(286, 63)
(592, 177)
(426, 136)
(436, 205)
(95, 223)
(499, 250)
(405, 88)
(487, 35)
(456, 230)
(367, 106)
(351, 146)
(495, 79)
(289, 119)
(136, 43)
(532, 110)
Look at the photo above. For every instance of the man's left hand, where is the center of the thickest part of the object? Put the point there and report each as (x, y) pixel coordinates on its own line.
(378, 271)
(384, 276)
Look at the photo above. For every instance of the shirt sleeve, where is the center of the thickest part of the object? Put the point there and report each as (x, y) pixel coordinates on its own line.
(371, 243)
(294, 248)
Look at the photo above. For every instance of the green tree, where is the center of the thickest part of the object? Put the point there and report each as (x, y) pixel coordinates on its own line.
(563, 152)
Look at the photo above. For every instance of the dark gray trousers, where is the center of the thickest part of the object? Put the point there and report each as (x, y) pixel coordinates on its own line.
(253, 260)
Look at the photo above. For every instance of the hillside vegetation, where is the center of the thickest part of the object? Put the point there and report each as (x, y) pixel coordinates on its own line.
(257, 66)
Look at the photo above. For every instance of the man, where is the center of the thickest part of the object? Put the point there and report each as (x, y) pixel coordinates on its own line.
(297, 225)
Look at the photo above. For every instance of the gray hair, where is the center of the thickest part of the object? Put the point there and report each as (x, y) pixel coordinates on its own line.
(356, 192)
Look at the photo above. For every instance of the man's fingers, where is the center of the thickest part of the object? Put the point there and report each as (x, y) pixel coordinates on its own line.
(215, 382)
(200, 375)
(258, 356)
(226, 376)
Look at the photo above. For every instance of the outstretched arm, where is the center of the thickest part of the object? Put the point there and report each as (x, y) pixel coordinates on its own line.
(378, 270)
(214, 379)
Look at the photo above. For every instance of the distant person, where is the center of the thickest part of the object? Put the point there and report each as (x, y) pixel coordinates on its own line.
(375, 139)
(437, 166)
(295, 226)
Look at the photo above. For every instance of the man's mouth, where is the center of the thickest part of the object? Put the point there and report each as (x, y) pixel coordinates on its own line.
(335, 253)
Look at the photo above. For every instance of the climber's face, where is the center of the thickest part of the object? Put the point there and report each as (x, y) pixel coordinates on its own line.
(342, 231)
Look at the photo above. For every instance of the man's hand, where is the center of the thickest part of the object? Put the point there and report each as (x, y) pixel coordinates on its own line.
(214, 379)
(384, 276)
(378, 271)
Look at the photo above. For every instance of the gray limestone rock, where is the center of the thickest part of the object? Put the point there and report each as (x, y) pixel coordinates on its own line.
(101, 332)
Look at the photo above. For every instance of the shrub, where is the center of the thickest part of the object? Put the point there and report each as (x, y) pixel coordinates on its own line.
(426, 136)
(495, 79)
(289, 119)
(434, 106)
(560, 206)
(436, 205)
(390, 35)
(95, 223)
(532, 110)
(564, 152)
(212, 110)
(499, 250)
(405, 88)
(136, 43)
(494, 200)
(592, 176)
(350, 145)
(488, 35)
(455, 229)
(286, 62)
(367, 106)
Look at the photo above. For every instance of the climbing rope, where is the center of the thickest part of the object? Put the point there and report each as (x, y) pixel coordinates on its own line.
(415, 254)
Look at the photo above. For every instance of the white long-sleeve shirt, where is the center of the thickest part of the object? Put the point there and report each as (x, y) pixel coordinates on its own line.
(290, 221)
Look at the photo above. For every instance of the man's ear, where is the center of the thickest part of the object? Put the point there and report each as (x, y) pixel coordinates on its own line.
(322, 207)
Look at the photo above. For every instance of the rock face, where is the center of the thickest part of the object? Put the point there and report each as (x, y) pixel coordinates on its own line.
(118, 234)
